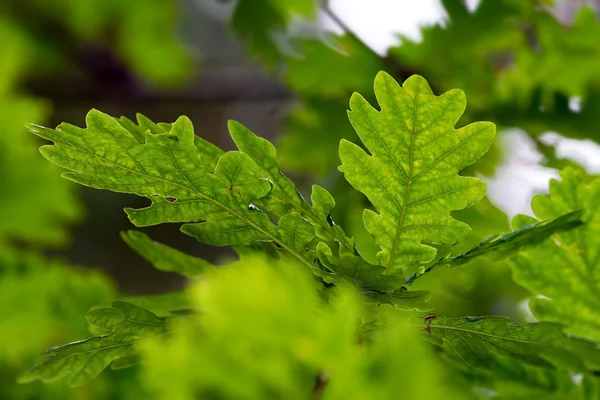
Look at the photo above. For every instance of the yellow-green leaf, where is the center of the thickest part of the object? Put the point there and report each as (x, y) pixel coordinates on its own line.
(411, 171)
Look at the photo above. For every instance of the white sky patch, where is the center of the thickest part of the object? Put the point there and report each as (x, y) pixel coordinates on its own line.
(523, 307)
(472, 4)
(520, 176)
(584, 152)
(577, 378)
(575, 104)
(378, 22)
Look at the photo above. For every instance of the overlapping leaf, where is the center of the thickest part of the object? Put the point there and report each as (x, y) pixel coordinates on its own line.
(81, 361)
(509, 378)
(477, 339)
(220, 194)
(501, 245)
(565, 270)
(411, 174)
(349, 270)
(173, 169)
(284, 197)
(166, 258)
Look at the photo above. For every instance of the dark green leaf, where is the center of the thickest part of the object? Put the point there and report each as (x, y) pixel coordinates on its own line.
(165, 258)
(476, 339)
(81, 361)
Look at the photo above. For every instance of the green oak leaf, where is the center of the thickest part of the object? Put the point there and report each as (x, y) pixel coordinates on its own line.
(565, 270)
(411, 174)
(125, 326)
(284, 196)
(505, 245)
(162, 304)
(477, 339)
(349, 270)
(172, 169)
(166, 258)
(190, 180)
(511, 379)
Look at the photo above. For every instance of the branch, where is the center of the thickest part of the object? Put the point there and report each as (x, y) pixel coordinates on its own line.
(395, 68)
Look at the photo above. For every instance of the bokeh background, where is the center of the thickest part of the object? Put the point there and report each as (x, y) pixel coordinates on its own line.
(286, 70)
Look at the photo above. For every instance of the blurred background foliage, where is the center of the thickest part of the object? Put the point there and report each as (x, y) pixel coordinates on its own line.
(286, 69)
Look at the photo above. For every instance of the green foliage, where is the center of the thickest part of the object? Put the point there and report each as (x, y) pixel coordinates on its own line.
(509, 378)
(503, 245)
(346, 53)
(319, 117)
(34, 205)
(302, 299)
(411, 176)
(42, 299)
(233, 194)
(287, 343)
(38, 314)
(165, 258)
(261, 23)
(477, 340)
(143, 34)
(501, 63)
(124, 326)
(566, 269)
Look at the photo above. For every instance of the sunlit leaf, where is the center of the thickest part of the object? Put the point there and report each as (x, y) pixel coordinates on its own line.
(411, 174)
(565, 270)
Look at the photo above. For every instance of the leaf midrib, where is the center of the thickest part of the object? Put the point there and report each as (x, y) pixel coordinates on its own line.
(474, 332)
(409, 177)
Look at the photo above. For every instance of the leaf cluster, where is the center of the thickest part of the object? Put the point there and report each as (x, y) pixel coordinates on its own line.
(300, 261)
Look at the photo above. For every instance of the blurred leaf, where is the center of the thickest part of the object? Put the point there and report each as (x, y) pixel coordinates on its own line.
(81, 361)
(306, 346)
(51, 299)
(537, 119)
(142, 32)
(325, 72)
(258, 22)
(148, 41)
(413, 210)
(45, 292)
(165, 258)
(35, 205)
(332, 69)
(557, 48)
(162, 304)
(471, 51)
(508, 378)
(565, 269)
(505, 50)
(312, 134)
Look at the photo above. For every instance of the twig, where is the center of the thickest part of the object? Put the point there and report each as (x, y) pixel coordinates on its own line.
(394, 67)
(349, 32)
